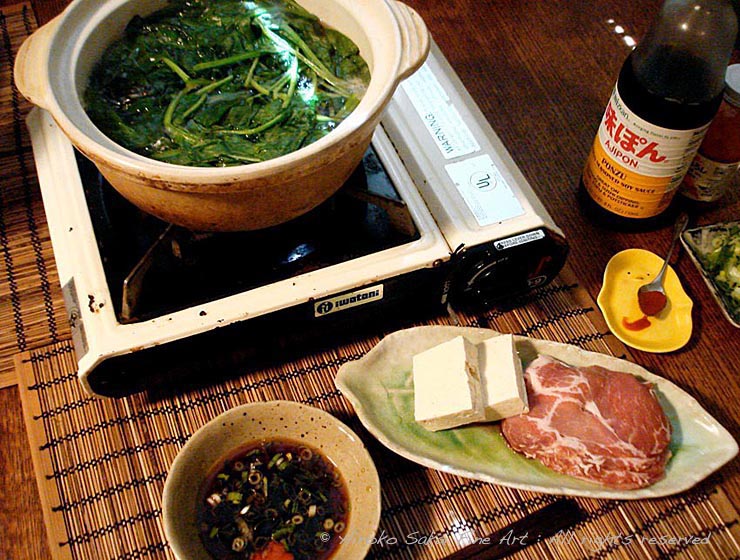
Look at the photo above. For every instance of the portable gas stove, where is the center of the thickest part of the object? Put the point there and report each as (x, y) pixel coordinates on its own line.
(437, 215)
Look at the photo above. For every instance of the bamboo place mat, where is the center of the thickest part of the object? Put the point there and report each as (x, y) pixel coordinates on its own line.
(31, 307)
(101, 464)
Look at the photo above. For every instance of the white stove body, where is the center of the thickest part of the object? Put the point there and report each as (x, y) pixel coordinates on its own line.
(457, 179)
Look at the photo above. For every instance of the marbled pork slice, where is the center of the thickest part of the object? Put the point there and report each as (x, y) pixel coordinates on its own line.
(592, 423)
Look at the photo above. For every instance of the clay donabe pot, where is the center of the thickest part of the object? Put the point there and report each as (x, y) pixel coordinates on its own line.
(53, 66)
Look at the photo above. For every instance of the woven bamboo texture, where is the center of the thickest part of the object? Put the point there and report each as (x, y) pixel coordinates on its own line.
(31, 308)
(101, 465)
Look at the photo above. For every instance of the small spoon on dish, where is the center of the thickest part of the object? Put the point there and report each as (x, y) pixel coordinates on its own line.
(651, 297)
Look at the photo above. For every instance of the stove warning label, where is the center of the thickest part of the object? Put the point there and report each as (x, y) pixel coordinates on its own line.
(520, 239)
(345, 301)
(485, 190)
(441, 119)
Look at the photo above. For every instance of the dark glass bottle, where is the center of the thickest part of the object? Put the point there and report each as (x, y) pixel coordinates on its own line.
(715, 165)
(667, 93)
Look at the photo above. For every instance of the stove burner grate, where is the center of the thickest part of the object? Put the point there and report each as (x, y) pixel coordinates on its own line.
(154, 268)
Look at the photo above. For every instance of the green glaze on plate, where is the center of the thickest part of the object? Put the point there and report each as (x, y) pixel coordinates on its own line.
(380, 387)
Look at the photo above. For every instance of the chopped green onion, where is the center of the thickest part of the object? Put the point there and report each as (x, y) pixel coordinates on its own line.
(254, 478)
(282, 532)
(304, 496)
(234, 497)
(274, 460)
(238, 544)
(296, 510)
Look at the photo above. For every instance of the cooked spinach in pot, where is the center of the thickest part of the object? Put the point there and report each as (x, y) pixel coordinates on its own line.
(225, 82)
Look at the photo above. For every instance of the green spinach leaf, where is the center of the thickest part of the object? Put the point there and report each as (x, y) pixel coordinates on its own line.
(225, 82)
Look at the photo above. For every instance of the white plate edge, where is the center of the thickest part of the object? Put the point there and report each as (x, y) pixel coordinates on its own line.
(654, 491)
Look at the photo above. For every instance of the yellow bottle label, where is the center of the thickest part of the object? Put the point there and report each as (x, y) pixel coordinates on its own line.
(635, 167)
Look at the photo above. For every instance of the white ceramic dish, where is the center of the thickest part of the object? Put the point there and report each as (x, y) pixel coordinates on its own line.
(260, 421)
(380, 388)
(54, 64)
(694, 241)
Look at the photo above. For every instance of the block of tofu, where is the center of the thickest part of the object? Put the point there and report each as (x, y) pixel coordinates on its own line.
(447, 389)
(502, 379)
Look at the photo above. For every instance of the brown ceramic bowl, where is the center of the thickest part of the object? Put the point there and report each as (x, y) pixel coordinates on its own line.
(259, 421)
(53, 66)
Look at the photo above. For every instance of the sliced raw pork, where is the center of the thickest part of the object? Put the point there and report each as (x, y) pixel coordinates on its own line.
(592, 423)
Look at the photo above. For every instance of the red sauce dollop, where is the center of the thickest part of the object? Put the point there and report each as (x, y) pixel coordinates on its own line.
(641, 324)
(651, 303)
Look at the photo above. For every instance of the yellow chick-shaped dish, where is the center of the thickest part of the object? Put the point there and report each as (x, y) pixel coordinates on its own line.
(667, 331)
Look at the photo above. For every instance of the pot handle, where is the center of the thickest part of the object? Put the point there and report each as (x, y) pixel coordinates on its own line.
(415, 39)
(31, 62)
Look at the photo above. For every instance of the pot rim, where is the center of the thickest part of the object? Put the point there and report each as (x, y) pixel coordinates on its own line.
(77, 25)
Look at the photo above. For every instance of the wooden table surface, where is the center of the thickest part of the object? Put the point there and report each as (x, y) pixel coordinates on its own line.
(541, 72)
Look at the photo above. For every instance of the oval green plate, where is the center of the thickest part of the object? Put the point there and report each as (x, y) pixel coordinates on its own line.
(380, 387)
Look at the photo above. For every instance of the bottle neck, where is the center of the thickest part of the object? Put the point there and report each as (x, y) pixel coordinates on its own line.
(664, 109)
(685, 54)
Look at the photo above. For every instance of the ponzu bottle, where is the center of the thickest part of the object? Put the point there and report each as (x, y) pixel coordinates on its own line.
(667, 93)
